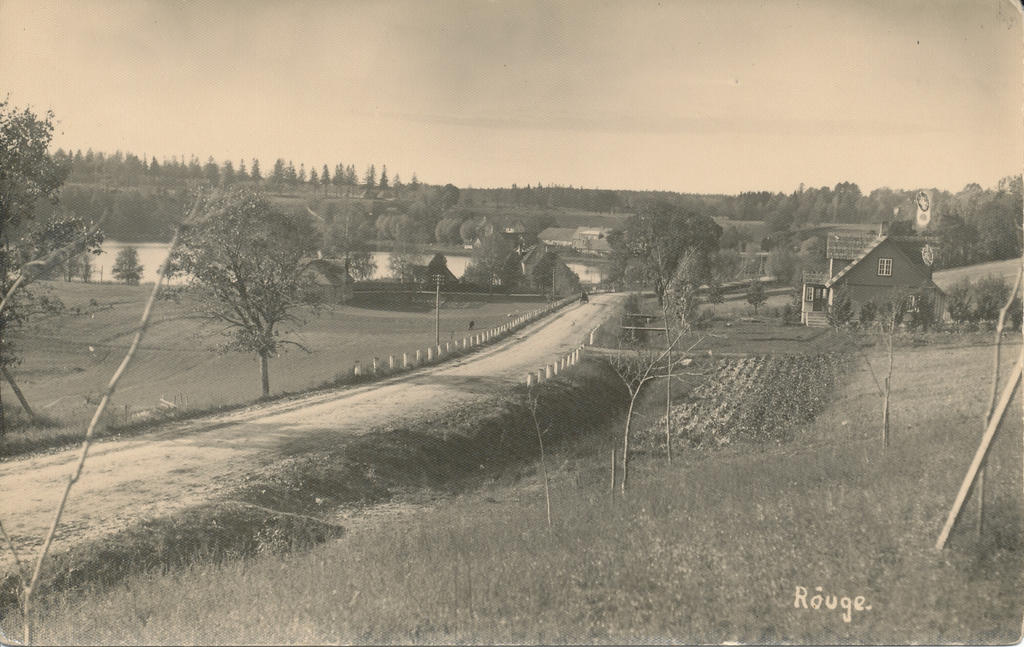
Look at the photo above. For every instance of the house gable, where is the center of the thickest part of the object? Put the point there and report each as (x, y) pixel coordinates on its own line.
(863, 272)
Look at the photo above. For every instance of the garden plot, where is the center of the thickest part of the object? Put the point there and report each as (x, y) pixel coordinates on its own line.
(758, 398)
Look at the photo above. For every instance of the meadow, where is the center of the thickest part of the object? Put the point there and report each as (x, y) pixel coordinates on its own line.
(715, 547)
(68, 359)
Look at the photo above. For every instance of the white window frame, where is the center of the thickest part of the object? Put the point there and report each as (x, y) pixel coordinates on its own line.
(809, 294)
(885, 267)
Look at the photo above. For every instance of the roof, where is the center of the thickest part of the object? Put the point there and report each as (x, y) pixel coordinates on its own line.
(815, 278)
(848, 245)
(329, 271)
(565, 234)
(909, 246)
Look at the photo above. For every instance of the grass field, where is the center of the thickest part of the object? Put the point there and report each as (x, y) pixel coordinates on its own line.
(709, 549)
(1007, 269)
(68, 359)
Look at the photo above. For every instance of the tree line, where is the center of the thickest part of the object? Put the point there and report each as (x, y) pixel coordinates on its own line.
(129, 170)
(973, 225)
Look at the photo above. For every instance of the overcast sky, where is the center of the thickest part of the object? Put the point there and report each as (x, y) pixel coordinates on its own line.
(716, 96)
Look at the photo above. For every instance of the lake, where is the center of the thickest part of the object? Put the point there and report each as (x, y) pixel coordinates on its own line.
(152, 255)
(457, 264)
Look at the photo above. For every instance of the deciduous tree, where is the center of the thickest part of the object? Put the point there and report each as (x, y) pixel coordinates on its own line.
(126, 266)
(247, 266)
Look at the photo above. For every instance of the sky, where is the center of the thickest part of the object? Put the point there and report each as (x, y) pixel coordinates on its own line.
(719, 96)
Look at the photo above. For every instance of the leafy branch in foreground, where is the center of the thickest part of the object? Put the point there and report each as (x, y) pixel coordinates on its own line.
(30, 586)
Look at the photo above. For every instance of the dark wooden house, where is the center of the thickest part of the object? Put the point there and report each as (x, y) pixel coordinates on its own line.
(870, 268)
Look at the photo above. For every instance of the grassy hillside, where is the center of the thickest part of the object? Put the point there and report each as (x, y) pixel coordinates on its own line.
(712, 548)
(68, 359)
(1007, 269)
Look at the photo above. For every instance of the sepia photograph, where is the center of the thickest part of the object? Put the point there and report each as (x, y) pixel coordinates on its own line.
(531, 322)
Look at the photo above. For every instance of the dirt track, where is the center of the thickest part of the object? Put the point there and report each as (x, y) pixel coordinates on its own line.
(182, 464)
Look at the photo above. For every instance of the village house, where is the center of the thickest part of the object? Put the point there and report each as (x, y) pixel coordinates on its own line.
(592, 240)
(557, 236)
(870, 267)
(586, 240)
(333, 282)
(545, 272)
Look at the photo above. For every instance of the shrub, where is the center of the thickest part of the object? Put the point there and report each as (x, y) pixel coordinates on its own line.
(868, 313)
(989, 297)
(922, 314)
(755, 294)
(958, 301)
(840, 313)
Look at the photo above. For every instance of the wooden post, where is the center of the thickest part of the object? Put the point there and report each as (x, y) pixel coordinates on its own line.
(373, 369)
(981, 452)
(405, 360)
(430, 354)
(18, 393)
(357, 370)
(547, 372)
(419, 355)
(885, 415)
(529, 379)
(612, 492)
(391, 362)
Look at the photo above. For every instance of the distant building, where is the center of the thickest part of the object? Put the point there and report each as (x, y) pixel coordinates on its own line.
(557, 236)
(592, 240)
(871, 267)
(586, 240)
(545, 272)
(333, 281)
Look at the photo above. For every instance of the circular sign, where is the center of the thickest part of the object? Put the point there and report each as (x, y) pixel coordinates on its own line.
(924, 215)
(922, 201)
(928, 254)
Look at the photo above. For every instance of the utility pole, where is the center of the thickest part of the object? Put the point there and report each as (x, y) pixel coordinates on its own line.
(437, 310)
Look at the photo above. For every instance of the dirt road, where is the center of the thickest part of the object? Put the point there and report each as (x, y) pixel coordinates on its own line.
(182, 464)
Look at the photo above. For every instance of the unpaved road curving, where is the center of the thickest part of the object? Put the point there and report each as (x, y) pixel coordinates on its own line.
(182, 464)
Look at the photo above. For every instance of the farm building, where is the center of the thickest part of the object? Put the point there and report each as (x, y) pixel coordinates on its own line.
(543, 270)
(438, 266)
(332, 279)
(588, 240)
(869, 267)
(557, 236)
(592, 240)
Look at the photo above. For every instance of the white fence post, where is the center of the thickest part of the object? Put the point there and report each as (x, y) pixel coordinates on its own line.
(419, 356)
(430, 353)
(391, 362)
(357, 370)
(529, 379)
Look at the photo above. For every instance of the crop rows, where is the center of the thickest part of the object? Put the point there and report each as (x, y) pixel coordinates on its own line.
(760, 398)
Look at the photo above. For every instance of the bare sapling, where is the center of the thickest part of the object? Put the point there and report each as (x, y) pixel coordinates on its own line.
(635, 371)
(30, 587)
(534, 399)
(893, 316)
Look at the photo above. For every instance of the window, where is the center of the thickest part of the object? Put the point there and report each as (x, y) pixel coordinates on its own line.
(809, 294)
(885, 267)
